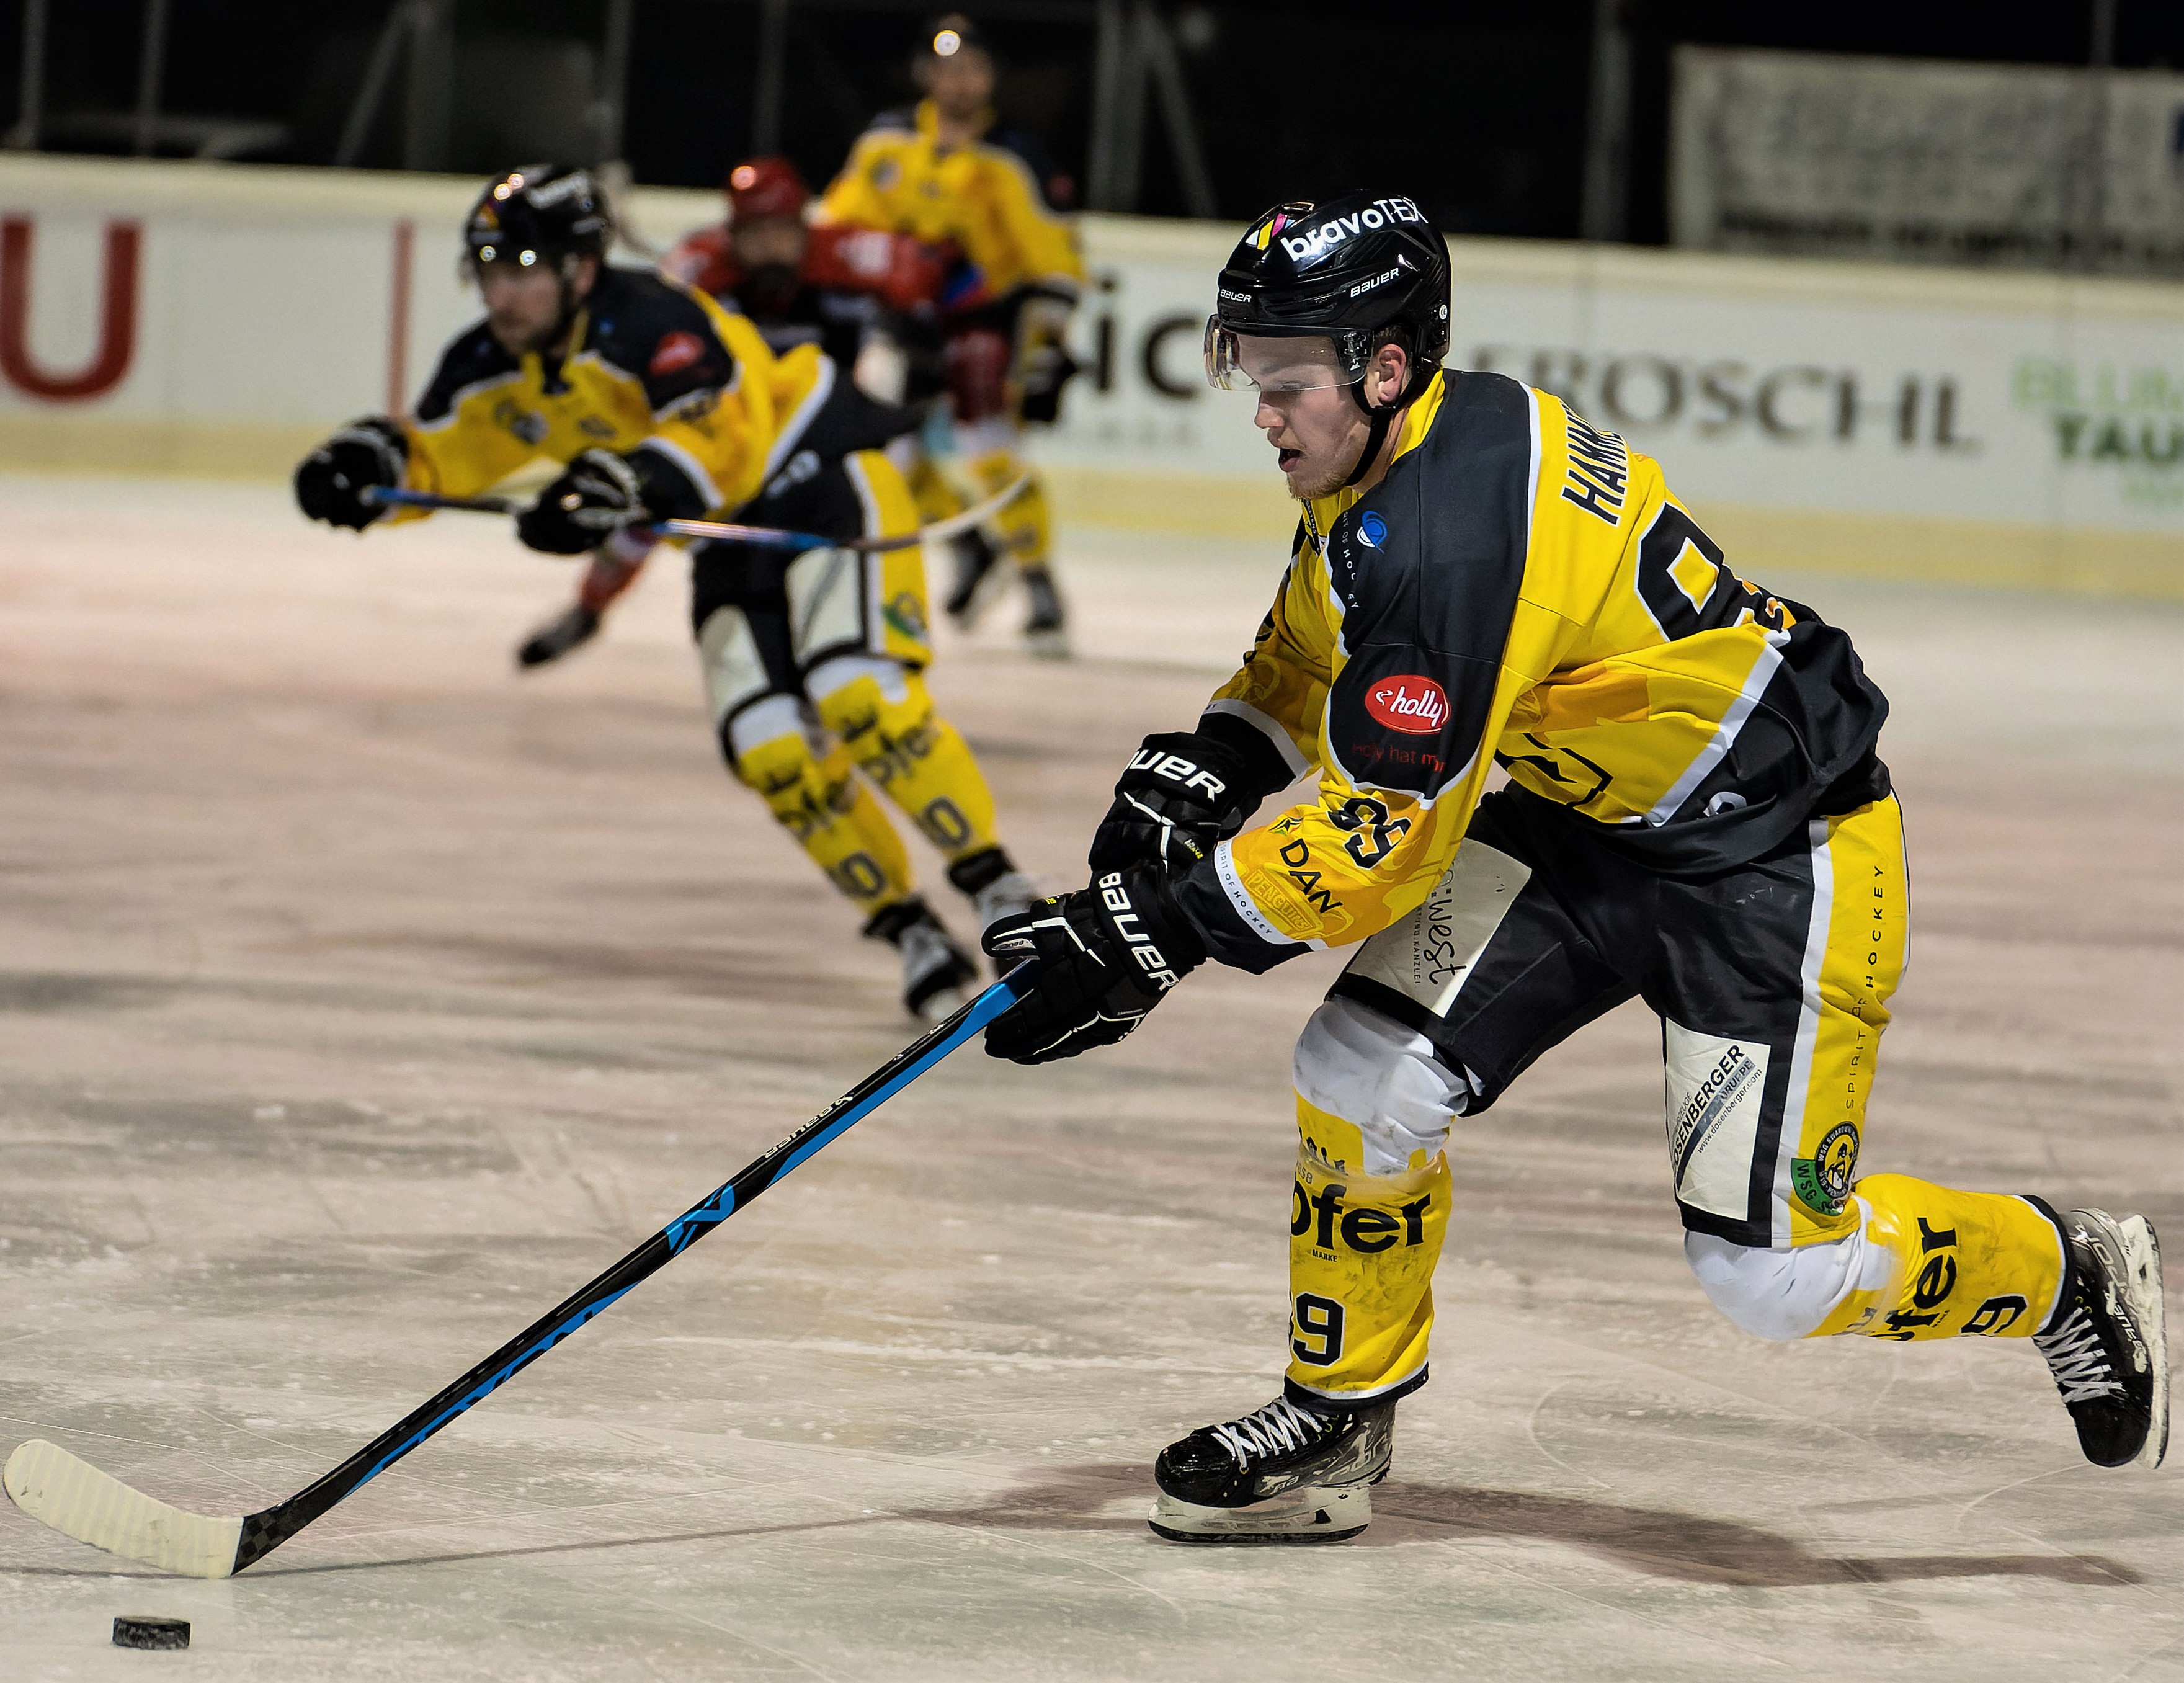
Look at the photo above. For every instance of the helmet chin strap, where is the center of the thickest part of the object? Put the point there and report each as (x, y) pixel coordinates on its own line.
(570, 304)
(1376, 435)
(1381, 419)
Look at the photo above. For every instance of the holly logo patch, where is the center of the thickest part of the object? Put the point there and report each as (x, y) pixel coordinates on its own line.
(1411, 704)
(677, 350)
(1822, 1181)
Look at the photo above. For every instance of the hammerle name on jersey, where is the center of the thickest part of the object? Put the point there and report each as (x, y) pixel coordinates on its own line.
(1598, 476)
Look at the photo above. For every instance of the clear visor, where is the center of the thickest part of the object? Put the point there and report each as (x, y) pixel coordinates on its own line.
(1255, 362)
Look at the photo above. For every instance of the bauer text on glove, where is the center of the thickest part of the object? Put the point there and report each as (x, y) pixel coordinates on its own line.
(1106, 954)
(1181, 793)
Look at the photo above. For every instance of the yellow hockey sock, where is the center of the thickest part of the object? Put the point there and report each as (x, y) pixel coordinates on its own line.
(1362, 1249)
(833, 817)
(915, 756)
(1960, 1262)
(936, 497)
(1025, 526)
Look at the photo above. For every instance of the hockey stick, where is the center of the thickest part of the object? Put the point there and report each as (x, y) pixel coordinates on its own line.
(770, 537)
(77, 1500)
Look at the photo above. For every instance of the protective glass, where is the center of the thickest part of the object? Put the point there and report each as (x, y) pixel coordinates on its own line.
(1272, 363)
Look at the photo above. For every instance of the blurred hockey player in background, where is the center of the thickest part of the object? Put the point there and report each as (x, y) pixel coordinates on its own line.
(869, 300)
(943, 172)
(1696, 816)
(662, 405)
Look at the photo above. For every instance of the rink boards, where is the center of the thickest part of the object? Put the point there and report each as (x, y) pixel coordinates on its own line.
(1903, 422)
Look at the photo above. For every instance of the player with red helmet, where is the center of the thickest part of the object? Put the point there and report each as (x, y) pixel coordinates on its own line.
(871, 302)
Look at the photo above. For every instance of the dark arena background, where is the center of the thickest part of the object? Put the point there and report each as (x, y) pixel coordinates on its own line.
(362, 995)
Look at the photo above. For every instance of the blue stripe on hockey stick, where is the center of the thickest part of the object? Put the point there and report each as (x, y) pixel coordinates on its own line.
(829, 1126)
(266, 1530)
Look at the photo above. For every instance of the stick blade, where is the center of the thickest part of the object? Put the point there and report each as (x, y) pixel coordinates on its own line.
(73, 1497)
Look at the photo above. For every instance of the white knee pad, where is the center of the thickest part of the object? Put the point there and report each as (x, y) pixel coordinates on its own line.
(1785, 1294)
(1371, 1071)
(775, 715)
(844, 670)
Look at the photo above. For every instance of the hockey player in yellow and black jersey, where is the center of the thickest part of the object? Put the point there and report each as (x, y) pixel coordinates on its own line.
(662, 405)
(1696, 815)
(944, 172)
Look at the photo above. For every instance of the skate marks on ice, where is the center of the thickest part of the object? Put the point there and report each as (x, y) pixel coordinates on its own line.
(1108, 1497)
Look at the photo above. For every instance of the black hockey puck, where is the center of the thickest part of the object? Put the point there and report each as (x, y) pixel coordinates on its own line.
(151, 1633)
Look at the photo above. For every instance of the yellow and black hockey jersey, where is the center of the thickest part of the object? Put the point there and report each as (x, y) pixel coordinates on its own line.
(651, 363)
(1519, 586)
(995, 199)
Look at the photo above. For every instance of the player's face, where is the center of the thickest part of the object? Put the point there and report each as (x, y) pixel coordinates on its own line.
(1304, 410)
(523, 304)
(1308, 407)
(961, 85)
(1317, 434)
(770, 243)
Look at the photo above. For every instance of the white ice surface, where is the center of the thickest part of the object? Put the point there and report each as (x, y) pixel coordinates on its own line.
(361, 999)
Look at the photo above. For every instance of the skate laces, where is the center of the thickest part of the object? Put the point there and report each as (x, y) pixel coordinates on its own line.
(1280, 1425)
(2082, 1370)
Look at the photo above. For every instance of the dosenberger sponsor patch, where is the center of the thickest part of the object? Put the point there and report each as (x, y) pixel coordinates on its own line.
(1715, 1090)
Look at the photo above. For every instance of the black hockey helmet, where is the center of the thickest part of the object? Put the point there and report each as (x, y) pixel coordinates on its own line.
(1347, 271)
(542, 213)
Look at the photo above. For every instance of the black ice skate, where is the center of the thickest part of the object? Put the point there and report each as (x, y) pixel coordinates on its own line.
(997, 889)
(558, 636)
(979, 577)
(935, 971)
(1046, 633)
(1283, 1474)
(2107, 1347)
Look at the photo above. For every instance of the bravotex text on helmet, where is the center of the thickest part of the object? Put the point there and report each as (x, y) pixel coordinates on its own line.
(540, 213)
(1348, 269)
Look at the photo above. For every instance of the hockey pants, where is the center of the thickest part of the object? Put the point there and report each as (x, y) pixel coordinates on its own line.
(813, 666)
(1772, 985)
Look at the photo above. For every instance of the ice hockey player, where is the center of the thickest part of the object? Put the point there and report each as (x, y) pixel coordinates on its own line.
(944, 172)
(661, 405)
(865, 298)
(1696, 815)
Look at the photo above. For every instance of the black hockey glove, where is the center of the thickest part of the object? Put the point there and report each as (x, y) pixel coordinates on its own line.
(598, 494)
(1044, 366)
(1046, 373)
(1181, 793)
(331, 482)
(1105, 955)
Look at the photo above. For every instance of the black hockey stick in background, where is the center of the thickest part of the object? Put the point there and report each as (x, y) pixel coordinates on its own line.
(75, 1498)
(771, 537)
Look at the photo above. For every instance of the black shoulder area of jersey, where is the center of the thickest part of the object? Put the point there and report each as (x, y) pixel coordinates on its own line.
(901, 120)
(1427, 567)
(1056, 190)
(657, 334)
(473, 356)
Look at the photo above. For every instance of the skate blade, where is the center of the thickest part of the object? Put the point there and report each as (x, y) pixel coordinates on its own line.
(2141, 1289)
(1327, 1513)
(1047, 644)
